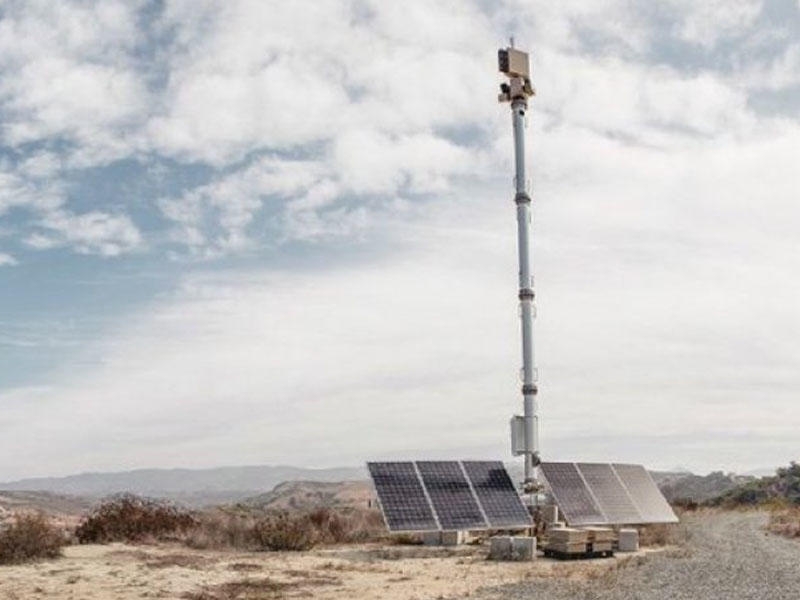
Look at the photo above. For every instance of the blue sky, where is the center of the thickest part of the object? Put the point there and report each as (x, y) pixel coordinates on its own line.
(260, 232)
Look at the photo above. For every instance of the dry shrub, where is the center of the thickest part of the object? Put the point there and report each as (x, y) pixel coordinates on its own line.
(785, 521)
(283, 530)
(287, 531)
(223, 531)
(684, 505)
(129, 518)
(29, 537)
(662, 534)
(340, 527)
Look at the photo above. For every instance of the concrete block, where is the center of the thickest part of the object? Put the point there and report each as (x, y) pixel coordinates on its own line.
(549, 513)
(453, 538)
(602, 546)
(628, 540)
(500, 547)
(432, 538)
(523, 548)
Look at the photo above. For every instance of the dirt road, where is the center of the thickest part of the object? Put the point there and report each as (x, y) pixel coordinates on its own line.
(728, 555)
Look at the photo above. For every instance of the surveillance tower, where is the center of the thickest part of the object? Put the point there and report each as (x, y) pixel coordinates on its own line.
(524, 429)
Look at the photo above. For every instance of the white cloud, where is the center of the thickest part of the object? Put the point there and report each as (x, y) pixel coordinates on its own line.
(779, 73)
(68, 73)
(370, 163)
(259, 75)
(214, 218)
(667, 307)
(88, 233)
(6, 260)
(704, 23)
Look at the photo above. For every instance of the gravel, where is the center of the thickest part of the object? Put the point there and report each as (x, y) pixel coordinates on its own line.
(728, 555)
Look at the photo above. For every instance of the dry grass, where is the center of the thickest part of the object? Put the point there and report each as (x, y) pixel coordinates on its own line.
(264, 588)
(785, 521)
(184, 561)
(666, 534)
(243, 589)
(30, 537)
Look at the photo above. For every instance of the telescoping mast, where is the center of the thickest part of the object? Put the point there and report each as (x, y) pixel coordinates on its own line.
(516, 91)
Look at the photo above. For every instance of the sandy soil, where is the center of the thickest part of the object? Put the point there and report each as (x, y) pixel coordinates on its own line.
(124, 572)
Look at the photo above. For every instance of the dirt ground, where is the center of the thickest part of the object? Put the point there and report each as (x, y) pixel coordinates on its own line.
(123, 572)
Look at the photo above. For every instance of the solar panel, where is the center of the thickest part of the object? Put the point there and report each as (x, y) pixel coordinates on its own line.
(571, 494)
(403, 500)
(496, 494)
(451, 495)
(611, 496)
(645, 494)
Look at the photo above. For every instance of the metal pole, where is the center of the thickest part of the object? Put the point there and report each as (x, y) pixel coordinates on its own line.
(516, 66)
(519, 106)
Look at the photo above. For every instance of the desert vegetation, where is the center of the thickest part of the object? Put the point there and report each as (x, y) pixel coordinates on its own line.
(785, 521)
(133, 519)
(783, 487)
(29, 537)
(129, 518)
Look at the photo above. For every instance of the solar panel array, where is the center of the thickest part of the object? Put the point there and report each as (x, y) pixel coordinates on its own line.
(606, 494)
(651, 503)
(494, 487)
(403, 499)
(571, 494)
(447, 495)
(451, 495)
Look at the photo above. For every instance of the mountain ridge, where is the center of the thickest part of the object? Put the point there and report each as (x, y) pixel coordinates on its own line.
(195, 487)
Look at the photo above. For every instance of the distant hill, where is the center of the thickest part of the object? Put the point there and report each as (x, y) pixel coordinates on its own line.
(314, 494)
(52, 504)
(784, 486)
(699, 488)
(194, 487)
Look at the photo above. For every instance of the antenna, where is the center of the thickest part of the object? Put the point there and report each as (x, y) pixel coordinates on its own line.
(524, 429)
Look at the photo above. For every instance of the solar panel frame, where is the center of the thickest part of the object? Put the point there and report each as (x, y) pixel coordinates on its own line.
(611, 495)
(451, 495)
(404, 502)
(644, 492)
(573, 496)
(496, 494)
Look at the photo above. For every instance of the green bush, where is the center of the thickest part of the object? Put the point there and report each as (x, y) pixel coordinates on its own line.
(29, 537)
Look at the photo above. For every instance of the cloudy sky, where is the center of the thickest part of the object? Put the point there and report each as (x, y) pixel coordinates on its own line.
(254, 231)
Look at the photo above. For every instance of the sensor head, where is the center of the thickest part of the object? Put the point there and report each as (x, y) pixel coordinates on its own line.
(514, 63)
